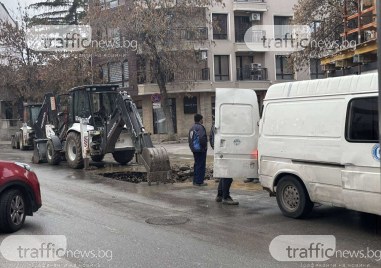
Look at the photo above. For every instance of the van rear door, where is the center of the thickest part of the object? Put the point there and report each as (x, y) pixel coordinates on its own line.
(236, 134)
(361, 156)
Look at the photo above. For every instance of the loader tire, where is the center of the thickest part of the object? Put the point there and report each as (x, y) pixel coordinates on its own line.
(13, 142)
(123, 157)
(54, 157)
(97, 158)
(22, 147)
(73, 152)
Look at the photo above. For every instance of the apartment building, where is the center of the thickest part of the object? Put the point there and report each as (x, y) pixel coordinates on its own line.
(7, 109)
(226, 63)
(360, 29)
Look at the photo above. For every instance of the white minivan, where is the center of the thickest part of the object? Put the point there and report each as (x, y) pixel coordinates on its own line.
(319, 144)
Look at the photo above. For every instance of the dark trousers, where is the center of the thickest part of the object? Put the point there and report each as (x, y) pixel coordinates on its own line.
(199, 167)
(224, 187)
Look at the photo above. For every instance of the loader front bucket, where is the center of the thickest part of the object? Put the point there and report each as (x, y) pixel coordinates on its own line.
(156, 162)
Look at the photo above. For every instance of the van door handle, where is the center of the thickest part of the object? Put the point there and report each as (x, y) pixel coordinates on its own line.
(222, 143)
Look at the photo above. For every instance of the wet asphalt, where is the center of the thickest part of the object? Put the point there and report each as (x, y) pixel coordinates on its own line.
(105, 215)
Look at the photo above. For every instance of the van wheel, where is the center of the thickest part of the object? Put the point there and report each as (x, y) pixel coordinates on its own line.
(73, 152)
(12, 211)
(54, 157)
(123, 157)
(292, 197)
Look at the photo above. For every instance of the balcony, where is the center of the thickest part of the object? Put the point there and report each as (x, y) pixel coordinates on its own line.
(252, 74)
(250, 5)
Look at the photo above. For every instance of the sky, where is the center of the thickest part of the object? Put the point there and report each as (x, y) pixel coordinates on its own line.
(12, 5)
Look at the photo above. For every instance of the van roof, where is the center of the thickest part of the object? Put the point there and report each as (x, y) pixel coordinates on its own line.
(322, 87)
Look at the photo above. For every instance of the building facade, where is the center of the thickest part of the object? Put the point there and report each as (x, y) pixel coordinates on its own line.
(7, 108)
(227, 63)
(360, 29)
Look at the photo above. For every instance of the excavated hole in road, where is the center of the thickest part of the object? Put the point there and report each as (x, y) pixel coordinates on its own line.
(133, 177)
(179, 174)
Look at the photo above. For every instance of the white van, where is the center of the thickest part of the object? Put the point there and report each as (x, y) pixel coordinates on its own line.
(236, 134)
(319, 144)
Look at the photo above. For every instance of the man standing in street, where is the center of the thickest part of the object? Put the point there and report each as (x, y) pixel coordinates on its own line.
(198, 143)
(223, 192)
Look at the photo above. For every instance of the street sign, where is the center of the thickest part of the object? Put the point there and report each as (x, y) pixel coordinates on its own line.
(156, 98)
(156, 105)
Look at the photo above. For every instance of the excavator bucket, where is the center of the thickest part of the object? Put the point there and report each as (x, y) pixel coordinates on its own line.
(156, 162)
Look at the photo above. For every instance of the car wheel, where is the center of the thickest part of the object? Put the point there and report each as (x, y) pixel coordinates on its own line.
(53, 157)
(97, 158)
(123, 157)
(292, 197)
(12, 211)
(73, 152)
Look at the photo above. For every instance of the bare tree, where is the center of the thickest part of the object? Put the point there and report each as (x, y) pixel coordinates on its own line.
(169, 34)
(326, 19)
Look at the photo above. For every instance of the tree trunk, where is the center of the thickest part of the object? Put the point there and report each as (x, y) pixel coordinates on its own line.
(161, 81)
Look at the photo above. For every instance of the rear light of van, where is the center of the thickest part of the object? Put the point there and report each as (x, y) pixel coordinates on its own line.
(254, 155)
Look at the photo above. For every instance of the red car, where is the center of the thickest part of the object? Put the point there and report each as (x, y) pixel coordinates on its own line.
(19, 195)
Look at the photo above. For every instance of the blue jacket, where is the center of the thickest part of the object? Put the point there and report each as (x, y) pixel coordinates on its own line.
(200, 129)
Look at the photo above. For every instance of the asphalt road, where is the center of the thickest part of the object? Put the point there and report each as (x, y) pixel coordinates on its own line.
(108, 216)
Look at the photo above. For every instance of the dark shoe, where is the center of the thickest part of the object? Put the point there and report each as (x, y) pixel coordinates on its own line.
(200, 184)
(230, 201)
(219, 199)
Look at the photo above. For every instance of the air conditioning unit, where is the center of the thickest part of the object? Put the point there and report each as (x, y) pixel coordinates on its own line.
(204, 55)
(254, 66)
(255, 17)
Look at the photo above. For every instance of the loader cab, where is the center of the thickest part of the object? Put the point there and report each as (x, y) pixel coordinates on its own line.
(31, 113)
(94, 102)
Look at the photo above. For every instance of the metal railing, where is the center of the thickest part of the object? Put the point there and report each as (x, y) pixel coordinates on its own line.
(252, 74)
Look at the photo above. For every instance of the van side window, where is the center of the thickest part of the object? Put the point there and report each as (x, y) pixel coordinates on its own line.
(362, 120)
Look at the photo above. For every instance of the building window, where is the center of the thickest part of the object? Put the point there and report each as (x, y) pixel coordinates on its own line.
(116, 73)
(242, 25)
(111, 3)
(220, 26)
(362, 120)
(190, 105)
(221, 68)
(282, 28)
(316, 69)
(284, 68)
(159, 120)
